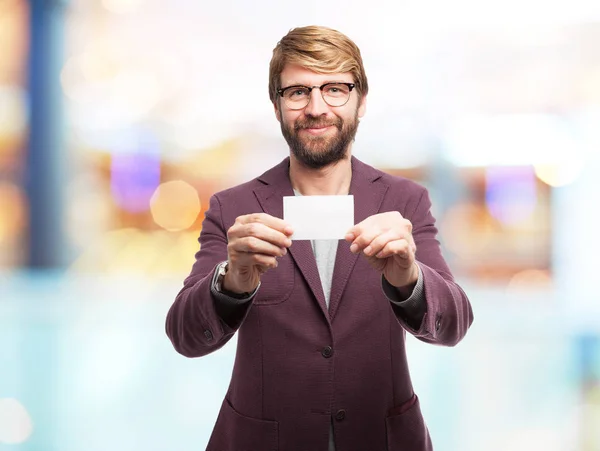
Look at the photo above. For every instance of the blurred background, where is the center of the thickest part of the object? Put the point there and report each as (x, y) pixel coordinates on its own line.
(120, 118)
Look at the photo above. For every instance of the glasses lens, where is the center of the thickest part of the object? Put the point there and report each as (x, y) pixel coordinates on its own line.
(336, 94)
(296, 97)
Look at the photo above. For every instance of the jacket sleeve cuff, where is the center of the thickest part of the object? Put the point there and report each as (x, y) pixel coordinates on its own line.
(229, 308)
(414, 307)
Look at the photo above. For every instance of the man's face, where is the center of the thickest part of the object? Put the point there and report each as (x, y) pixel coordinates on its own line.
(318, 134)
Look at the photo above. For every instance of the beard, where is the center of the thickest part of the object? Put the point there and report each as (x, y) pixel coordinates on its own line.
(317, 152)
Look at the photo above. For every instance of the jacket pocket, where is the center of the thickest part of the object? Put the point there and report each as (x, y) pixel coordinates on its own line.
(406, 428)
(236, 432)
(277, 284)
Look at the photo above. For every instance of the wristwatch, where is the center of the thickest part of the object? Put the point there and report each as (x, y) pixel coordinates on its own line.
(220, 277)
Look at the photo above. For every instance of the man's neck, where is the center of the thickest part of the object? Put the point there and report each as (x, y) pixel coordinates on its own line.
(331, 180)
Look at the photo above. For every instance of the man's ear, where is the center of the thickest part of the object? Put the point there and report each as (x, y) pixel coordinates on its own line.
(362, 106)
(277, 111)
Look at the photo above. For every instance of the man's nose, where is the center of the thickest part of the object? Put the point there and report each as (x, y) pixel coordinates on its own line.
(316, 106)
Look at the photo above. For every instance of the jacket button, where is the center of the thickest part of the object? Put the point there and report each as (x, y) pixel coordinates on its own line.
(208, 335)
(327, 352)
(340, 415)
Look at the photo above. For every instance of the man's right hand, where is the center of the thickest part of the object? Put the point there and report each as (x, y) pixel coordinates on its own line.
(255, 243)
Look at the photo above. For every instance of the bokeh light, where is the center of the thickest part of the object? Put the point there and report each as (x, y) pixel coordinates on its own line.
(132, 250)
(558, 175)
(12, 210)
(13, 37)
(458, 226)
(135, 173)
(530, 279)
(15, 423)
(13, 111)
(175, 205)
(510, 193)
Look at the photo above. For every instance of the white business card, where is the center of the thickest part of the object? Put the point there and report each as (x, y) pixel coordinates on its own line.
(319, 217)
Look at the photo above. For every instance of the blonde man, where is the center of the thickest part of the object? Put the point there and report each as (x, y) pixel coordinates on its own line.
(321, 362)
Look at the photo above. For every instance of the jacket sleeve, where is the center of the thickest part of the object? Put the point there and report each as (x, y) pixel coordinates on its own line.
(448, 313)
(198, 323)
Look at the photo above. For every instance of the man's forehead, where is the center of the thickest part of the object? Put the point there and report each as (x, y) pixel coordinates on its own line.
(293, 74)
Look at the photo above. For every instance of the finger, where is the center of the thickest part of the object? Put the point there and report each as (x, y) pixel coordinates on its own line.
(247, 260)
(351, 234)
(254, 245)
(267, 233)
(368, 235)
(364, 239)
(262, 232)
(356, 230)
(379, 242)
(268, 220)
(390, 217)
(397, 248)
(262, 261)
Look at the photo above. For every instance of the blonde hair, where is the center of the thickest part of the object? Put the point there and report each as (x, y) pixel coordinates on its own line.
(320, 49)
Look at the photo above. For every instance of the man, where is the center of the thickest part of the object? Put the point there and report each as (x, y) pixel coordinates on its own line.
(321, 362)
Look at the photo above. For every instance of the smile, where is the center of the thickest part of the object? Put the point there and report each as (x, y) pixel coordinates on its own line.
(317, 130)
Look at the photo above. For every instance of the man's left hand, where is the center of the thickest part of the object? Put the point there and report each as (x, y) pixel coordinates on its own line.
(386, 241)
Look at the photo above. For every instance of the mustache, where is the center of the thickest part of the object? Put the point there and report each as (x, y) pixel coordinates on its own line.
(315, 122)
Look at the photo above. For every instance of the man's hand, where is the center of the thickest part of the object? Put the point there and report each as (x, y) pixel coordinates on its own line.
(255, 242)
(387, 242)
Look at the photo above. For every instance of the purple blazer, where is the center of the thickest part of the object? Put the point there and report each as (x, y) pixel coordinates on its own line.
(299, 366)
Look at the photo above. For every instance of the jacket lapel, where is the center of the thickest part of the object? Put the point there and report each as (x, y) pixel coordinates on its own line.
(368, 197)
(270, 197)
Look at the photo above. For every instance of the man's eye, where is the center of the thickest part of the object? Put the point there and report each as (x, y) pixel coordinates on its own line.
(298, 92)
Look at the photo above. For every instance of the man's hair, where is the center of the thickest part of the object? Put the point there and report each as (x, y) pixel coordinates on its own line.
(321, 50)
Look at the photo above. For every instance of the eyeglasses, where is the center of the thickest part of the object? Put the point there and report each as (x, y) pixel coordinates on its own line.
(334, 94)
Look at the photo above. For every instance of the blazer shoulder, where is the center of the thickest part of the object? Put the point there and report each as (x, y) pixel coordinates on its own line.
(395, 182)
(237, 192)
(402, 185)
(403, 194)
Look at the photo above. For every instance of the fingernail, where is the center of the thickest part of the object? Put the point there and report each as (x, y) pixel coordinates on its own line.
(353, 248)
(368, 250)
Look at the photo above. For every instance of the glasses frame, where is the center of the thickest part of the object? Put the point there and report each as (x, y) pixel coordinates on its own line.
(351, 86)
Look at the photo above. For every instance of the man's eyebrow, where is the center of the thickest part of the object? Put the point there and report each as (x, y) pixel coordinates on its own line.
(294, 83)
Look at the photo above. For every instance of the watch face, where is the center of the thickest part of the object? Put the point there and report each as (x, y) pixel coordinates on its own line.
(221, 271)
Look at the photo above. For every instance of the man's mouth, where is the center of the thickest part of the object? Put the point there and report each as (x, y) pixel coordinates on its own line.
(317, 128)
